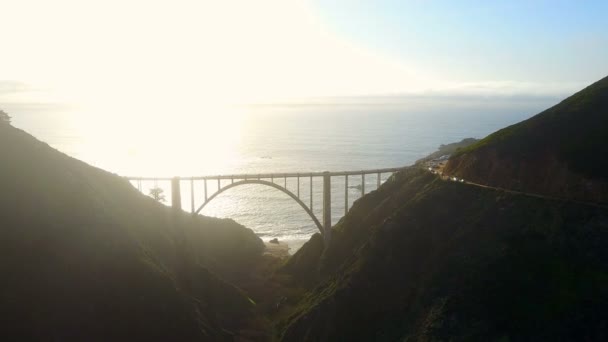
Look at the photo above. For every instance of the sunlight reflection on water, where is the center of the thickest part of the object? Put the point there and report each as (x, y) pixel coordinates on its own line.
(255, 139)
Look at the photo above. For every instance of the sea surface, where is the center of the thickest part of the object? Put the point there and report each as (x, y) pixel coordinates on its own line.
(317, 135)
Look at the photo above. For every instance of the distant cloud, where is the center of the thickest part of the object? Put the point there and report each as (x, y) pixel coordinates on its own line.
(509, 88)
(11, 87)
(21, 94)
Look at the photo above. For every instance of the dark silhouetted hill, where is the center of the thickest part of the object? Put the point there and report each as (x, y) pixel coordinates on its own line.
(423, 259)
(559, 152)
(85, 257)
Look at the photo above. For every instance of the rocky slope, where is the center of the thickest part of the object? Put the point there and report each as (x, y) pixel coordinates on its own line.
(558, 152)
(86, 257)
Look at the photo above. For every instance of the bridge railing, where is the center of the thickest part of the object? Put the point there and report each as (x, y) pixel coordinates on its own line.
(272, 178)
(274, 175)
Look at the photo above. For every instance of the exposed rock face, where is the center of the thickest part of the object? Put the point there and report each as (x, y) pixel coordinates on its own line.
(559, 152)
(86, 257)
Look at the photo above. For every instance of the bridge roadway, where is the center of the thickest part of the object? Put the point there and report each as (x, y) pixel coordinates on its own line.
(269, 179)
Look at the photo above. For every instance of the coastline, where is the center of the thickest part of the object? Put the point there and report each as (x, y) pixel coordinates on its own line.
(284, 248)
(279, 250)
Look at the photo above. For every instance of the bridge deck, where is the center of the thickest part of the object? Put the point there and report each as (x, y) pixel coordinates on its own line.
(275, 175)
(268, 179)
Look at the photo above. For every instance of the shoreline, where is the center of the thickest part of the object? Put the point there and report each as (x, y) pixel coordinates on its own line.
(288, 246)
(278, 250)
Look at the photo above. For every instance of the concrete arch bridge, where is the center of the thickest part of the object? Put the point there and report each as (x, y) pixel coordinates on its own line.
(278, 181)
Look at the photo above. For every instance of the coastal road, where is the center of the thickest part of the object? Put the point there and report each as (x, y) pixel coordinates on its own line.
(530, 194)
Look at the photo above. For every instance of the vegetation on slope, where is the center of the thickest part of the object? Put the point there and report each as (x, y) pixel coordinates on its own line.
(424, 259)
(448, 149)
(86, 257)
(557, 152)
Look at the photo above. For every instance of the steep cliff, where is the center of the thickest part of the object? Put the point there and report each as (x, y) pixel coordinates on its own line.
(86, 257)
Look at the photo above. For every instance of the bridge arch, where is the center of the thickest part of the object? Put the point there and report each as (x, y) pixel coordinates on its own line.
(271, 184)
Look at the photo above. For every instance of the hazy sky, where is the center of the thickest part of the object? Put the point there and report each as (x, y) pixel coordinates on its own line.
(167, 51)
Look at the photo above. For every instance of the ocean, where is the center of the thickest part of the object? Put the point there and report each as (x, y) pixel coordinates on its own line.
(316, 135)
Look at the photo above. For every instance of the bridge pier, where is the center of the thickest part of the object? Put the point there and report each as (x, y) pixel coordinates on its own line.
(324, 225)
(176, 194)
(326, 207)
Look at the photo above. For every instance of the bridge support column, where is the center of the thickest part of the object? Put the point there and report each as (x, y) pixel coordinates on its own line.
(176, 194)
(326, 207)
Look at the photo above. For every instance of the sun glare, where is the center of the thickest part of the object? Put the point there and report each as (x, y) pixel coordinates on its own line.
(156, 140)
(190, 52)
(173, 81)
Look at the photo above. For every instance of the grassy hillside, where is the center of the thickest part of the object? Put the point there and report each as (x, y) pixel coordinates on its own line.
(86, 257)
(557, 152)
(448, 149)
(422, 259)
